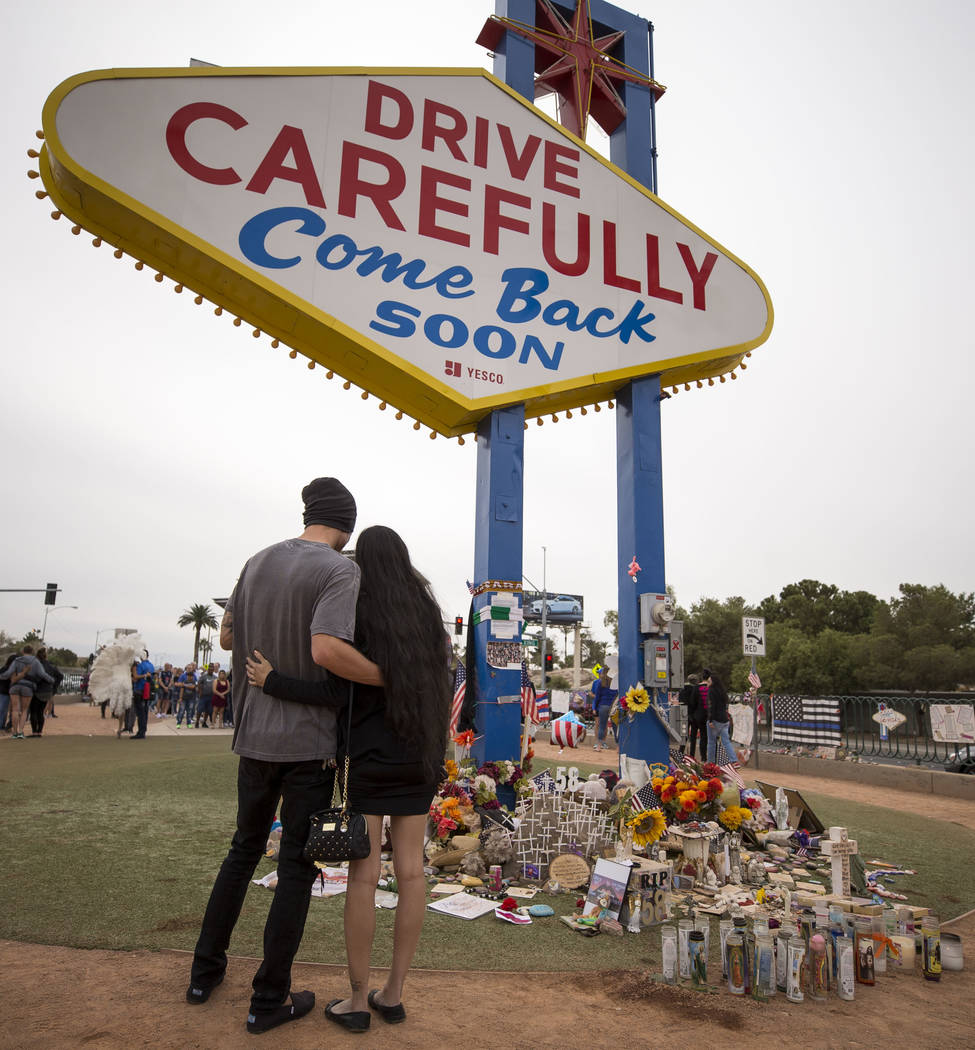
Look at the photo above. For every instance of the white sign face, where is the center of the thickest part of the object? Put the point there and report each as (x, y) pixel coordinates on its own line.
(753, 635)
(460, 238)
(889, 718)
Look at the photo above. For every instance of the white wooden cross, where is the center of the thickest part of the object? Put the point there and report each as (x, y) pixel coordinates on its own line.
(839, 848)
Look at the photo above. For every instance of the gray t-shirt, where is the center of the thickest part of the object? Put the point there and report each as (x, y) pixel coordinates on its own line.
(284, 595)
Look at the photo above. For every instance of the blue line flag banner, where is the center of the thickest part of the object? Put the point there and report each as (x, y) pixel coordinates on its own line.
(806, 720)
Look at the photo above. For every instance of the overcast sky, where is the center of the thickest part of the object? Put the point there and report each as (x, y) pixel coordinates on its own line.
(151, 447)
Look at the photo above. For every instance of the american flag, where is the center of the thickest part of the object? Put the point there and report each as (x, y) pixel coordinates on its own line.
(806, 720)
(645, 798)
(460, 689)
(541, 700)
(731, 772)
(529, 704)
(470, 586)
(754, 681)
(544, 781)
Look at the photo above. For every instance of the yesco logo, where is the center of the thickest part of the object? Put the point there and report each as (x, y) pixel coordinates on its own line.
(453, 238)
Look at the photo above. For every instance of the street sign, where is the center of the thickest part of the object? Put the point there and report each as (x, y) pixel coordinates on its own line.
(428, 234)
(889, 718)
(753, 635)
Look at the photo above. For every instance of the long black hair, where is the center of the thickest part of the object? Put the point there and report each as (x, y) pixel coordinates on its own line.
(399, 626)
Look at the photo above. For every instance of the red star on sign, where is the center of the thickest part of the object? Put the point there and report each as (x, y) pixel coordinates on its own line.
(574, 64)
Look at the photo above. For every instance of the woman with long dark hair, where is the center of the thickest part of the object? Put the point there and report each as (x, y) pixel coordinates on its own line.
(719, 721)
(396, 750)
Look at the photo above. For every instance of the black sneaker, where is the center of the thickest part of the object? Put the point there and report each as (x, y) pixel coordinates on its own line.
(196, 995)
(301, 1004)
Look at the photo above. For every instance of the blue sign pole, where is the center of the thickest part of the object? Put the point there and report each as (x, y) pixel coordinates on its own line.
(498, 526)
(639, 482)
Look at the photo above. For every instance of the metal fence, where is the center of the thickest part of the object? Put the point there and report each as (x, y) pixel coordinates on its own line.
(861, 734)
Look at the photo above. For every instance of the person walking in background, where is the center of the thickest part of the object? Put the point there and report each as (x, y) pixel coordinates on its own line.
(24, 671)
(697, 715)
(43, 699)
(142, 679)
(718, 717)
(297, 599)
(204, 697)
(603, 695)
(7, 679)
(186, 684)
(395, 750)
(221, 687)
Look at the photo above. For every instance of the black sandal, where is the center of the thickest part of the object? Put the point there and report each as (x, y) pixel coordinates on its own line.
(354, 1021)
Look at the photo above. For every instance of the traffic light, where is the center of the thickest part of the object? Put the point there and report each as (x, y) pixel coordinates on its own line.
(52, 594)
(458, 625)
(548, 663)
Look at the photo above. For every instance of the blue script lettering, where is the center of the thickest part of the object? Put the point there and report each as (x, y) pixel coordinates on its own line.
(337, 251)
(450, 332)
(520, 303)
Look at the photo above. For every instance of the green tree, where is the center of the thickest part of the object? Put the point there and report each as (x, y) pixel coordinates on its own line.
(197, 616)
(611, 619)
(712, 638)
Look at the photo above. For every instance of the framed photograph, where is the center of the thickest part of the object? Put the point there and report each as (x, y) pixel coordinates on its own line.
(607, 889)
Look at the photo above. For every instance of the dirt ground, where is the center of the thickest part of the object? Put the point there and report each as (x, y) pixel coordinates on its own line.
(64, 997)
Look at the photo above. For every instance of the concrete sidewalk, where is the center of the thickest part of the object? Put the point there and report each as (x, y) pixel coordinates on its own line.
(168, 727)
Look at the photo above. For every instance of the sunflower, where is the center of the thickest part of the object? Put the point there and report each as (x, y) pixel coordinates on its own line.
(637, 698)
(648, 825)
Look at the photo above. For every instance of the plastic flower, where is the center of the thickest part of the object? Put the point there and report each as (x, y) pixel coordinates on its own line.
(452, 770)
(648, 825)
(465, 739)
(637, 698)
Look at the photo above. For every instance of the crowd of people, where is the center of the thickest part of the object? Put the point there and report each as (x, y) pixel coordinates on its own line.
(28, 684)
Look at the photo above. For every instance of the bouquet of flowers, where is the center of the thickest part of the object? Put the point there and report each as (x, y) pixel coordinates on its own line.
(452, 812)
(696, 791)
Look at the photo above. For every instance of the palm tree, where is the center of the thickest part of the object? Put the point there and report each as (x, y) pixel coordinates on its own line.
(197, 616)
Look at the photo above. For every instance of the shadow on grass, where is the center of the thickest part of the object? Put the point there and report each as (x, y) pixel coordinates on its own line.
(109, 846)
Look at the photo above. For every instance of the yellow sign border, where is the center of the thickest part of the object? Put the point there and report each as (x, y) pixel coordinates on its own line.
(177, 253)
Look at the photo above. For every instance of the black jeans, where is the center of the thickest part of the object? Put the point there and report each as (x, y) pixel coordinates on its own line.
(304, 788)
(697, 733)
(141, 708)
(35, 712)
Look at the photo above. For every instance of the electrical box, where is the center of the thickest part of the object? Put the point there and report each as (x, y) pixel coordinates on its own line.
(656, 662)
(656, 611)
(676, 654)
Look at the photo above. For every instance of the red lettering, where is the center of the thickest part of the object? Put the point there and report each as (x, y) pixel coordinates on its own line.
(519, 166)
(549, 225)
(481, 130)
(431, 203)
(352, 186)
(555, 156)
(289, 141)
(610, 276)
(176, 129)
(451, 135)
(494, 221)
(699, 278)
(375, 96)
(654, 287)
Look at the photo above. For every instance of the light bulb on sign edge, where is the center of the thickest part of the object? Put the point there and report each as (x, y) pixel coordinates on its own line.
(96, 243)
(76, 230)
(582, 410)
(32, 153)
(399, 415)
(158, 278)
(598, 407)
(460, 438)
(40, 194)
(610, 404)
(256, 333)
(198, 299)
(329, 374)
(275, 343)
(699, 384)
(347, 385)
(311, 365)
(555, 418)
(433, 435)
(710, 380)
(39, 134)
(416, 425)
(33, 174)
(292, 354)
(568, 413)
(118, 253)
(733, 376)
(236, 322)
(55, 215)
(382, 406)
(539, 421)
(364, 395)
(742, 365)
(721, 378)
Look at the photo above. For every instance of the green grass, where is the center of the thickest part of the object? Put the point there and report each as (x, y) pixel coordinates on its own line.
(109, 846)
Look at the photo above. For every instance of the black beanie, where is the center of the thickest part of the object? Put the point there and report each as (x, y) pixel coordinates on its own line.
(329, 502)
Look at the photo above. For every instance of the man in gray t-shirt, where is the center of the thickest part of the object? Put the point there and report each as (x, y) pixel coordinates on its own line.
(295, 601)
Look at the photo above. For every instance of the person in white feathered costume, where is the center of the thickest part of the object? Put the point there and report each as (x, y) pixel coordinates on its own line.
(111, 675)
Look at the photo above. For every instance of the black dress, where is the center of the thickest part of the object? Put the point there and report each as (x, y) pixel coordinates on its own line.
(385, 779)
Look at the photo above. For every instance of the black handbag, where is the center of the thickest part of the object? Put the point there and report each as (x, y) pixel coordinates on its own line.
(338, 833)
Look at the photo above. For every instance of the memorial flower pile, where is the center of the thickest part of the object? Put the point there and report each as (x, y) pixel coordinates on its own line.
(648, 825)
(452, 812)
(696, 791)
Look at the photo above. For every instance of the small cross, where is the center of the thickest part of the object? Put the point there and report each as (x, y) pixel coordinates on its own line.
(839, 848)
